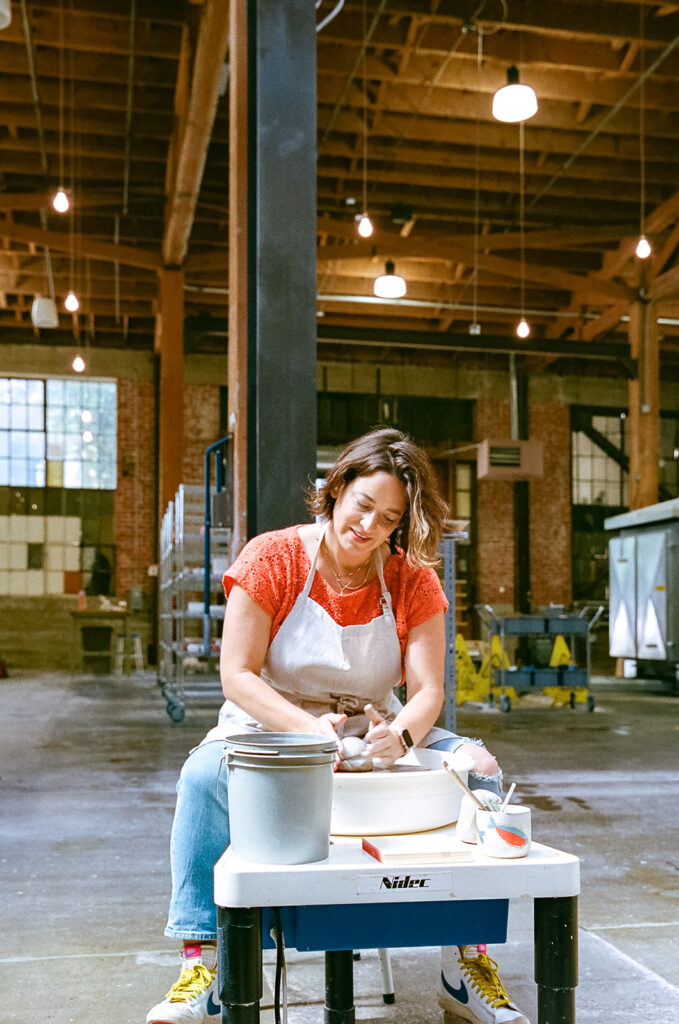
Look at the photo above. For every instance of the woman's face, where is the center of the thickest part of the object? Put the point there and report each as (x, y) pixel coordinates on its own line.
(367, 511)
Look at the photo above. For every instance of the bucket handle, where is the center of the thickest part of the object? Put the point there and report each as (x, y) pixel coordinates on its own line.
(258, 753)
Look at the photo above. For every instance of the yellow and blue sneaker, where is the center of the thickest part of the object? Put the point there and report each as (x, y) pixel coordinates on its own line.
(471, 990)
(193, 998)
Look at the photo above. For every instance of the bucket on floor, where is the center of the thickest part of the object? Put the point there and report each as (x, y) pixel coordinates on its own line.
(280, 796)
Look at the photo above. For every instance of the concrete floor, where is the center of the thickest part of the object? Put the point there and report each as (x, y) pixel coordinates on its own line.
(87, 792)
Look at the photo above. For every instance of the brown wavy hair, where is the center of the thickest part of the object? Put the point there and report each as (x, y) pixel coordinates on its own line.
(386, 450)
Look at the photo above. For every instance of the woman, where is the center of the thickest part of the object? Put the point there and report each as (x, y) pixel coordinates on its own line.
(322, 619)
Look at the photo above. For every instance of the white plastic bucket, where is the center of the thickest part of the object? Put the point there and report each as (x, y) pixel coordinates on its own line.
(280, 796)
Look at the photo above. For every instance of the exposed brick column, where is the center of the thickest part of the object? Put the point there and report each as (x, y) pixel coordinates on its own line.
(550, 506)
(134, 520)
(494, 516)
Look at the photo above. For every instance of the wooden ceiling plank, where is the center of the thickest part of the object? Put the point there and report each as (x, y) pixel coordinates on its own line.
(211, 48)
(81, 244)
(605, 322)
(664, 254)
(85, 31)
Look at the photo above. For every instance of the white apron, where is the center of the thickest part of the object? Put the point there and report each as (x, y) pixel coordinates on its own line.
(322, 667)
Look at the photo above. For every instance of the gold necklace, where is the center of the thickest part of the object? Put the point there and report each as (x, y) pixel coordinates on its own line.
(346, 587)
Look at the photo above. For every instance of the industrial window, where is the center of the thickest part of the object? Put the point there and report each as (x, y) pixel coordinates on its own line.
(57, 483)
(57, 433)
(597, 456)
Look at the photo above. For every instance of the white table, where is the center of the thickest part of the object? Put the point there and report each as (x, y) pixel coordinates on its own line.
(322, 906)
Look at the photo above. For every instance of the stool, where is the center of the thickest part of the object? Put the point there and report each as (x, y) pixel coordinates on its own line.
(136, 653)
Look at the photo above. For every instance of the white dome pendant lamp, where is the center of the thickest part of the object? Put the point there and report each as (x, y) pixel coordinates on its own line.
(514, 102)
(389, 285)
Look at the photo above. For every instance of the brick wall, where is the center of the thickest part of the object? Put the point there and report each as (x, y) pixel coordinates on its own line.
(201, 428)
(550, 507)
(550, 511)
(494, 516)
(134, 518)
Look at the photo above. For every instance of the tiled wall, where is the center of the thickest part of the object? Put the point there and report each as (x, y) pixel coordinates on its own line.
(58, 549)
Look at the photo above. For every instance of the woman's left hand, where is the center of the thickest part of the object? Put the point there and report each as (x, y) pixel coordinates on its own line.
(383, 744)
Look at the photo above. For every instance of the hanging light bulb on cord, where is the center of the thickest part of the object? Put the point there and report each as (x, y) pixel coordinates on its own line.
(522, 328)
(643, 249)
(78, 364)
(365, 225)
(71, 302)
(60, 201)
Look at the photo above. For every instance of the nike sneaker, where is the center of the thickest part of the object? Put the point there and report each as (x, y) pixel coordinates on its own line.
(471, 989)
(193, 998)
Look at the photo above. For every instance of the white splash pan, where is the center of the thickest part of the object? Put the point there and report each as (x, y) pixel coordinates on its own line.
(399, 802)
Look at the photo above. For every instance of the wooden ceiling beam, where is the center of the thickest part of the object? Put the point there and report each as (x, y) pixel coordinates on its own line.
(147, 126)
(496, 181)
(86, 31)
(455, 131)
(565, 85)
(472, 106)
(665, 170)
(556, 238)
(81, 245)
(595, 56)
(211, 48)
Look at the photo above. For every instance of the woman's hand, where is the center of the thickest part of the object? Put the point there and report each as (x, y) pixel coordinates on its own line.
(383, 741)
(327, 725)
(384, 744)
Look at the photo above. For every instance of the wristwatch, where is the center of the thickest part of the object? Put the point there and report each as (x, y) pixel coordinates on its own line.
(406, 739)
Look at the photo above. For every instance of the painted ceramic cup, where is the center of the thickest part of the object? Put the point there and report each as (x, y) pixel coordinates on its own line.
(504, 833)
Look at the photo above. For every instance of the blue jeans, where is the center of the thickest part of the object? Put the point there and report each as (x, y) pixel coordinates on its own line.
(200, 834)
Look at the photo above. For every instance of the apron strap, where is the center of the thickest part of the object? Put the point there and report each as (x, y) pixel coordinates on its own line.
(312, 570)
(385, 598)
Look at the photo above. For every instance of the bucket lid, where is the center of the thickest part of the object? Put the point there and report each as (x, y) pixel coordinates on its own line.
(275, 744)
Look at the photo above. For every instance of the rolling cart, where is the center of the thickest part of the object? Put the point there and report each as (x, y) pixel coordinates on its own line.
(561, 680)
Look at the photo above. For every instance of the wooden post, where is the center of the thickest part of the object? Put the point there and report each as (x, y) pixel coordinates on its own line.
(644, 413)
(169, 345)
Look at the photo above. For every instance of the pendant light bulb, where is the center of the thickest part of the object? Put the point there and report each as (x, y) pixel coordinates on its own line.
(365, 226)
(514, 102)
(523, 328)
(643, 249)
(78, 364)
(389, 285)
(60, 201)
(71, 302)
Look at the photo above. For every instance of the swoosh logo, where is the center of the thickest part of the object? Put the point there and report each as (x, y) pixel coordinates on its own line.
(460, 993)
(213, 1008)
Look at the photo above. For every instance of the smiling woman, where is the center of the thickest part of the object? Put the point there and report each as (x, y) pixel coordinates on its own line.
(323, 621)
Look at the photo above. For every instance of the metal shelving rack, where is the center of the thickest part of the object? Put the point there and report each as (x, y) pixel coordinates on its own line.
(193, 555)
(195, 550)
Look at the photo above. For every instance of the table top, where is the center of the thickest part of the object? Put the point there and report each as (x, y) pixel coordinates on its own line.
(350, 875)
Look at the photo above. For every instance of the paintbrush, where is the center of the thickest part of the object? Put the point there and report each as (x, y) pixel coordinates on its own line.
(461, 782)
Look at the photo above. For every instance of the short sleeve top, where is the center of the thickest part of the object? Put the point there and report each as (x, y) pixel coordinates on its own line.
(273, 568)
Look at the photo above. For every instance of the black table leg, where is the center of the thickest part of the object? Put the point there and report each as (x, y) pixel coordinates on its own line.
(239, 963)
(339, 987)
(556, 958)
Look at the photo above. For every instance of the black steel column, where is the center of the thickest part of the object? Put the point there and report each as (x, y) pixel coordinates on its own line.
(556, 958)
(239, 964)
(282, 261)
(339, 987)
